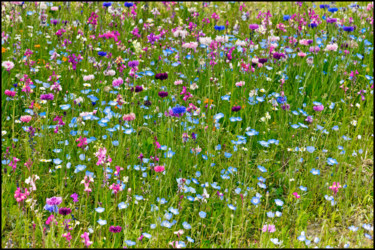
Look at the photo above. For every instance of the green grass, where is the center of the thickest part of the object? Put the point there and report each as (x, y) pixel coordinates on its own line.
(222, 227)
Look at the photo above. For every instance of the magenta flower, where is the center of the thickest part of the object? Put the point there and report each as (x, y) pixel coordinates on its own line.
(296, 195)
(159, 169)
(47, 97)
(335, 187)
(82, 142)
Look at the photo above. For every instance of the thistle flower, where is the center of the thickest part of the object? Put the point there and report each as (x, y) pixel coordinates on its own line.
(163, 94)
(253, 26)
(115, 229)
(65, 211)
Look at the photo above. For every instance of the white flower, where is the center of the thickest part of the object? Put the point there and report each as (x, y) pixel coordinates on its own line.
(354, 123)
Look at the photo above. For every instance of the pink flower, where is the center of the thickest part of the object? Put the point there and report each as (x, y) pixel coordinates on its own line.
(335, 187)
(26, 118)
(318, 108)
(159, 169)
(86, 238)
(296, 195)
(269, 228)
(82, 142)
(67, 236)
(8, 65)
(178, 82)
(54, 8)
(129, 117)
(50, 219)
(240, 84)
(332, 47)
(10, 93)
(301, 54)
(21, 196)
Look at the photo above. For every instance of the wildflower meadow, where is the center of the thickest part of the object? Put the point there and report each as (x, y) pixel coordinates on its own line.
(187, 124)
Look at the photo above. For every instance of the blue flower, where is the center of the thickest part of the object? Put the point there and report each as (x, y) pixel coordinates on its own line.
(286, 17)
(100, 209)
(332, 161)
(130, 243)
(255, 200)
(219, 28)
(202, 214)
(262, 169)
(313, 25)
(102, 53)
(315, 171)
(270, 214)
(186, 225)
(106, 4)
(128, 5)
(102, 222)
(310, 149)
(333, 10)
(227, 155)
(279, 202)
(281, 99)
(232, 207)
(51, 208)
(179, 110)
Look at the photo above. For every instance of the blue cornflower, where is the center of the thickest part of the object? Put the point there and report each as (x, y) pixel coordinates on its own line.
(348, 28)
(51, 208)
(106, 4)
(286, 17)
(128, 5)
(102, 53)
(313, 25)
(324, 6)
(333, 10)
(219, 28)
(179, 110)
(281, 99)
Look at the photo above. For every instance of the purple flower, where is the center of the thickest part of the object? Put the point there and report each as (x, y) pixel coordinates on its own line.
(309, 119)
(236, 108)
(285, 106)
(75, 197)
(65, 211)
(163, 94)
(137, 89)
(331, 20)
(253, 26)
(47, 97)
(277, 55)
(115, 229)
(54, 21)
(133, 64)
(161, 76)
(262, 60)
(54, 201)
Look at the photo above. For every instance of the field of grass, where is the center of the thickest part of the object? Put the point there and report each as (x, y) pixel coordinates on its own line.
(187, 124)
